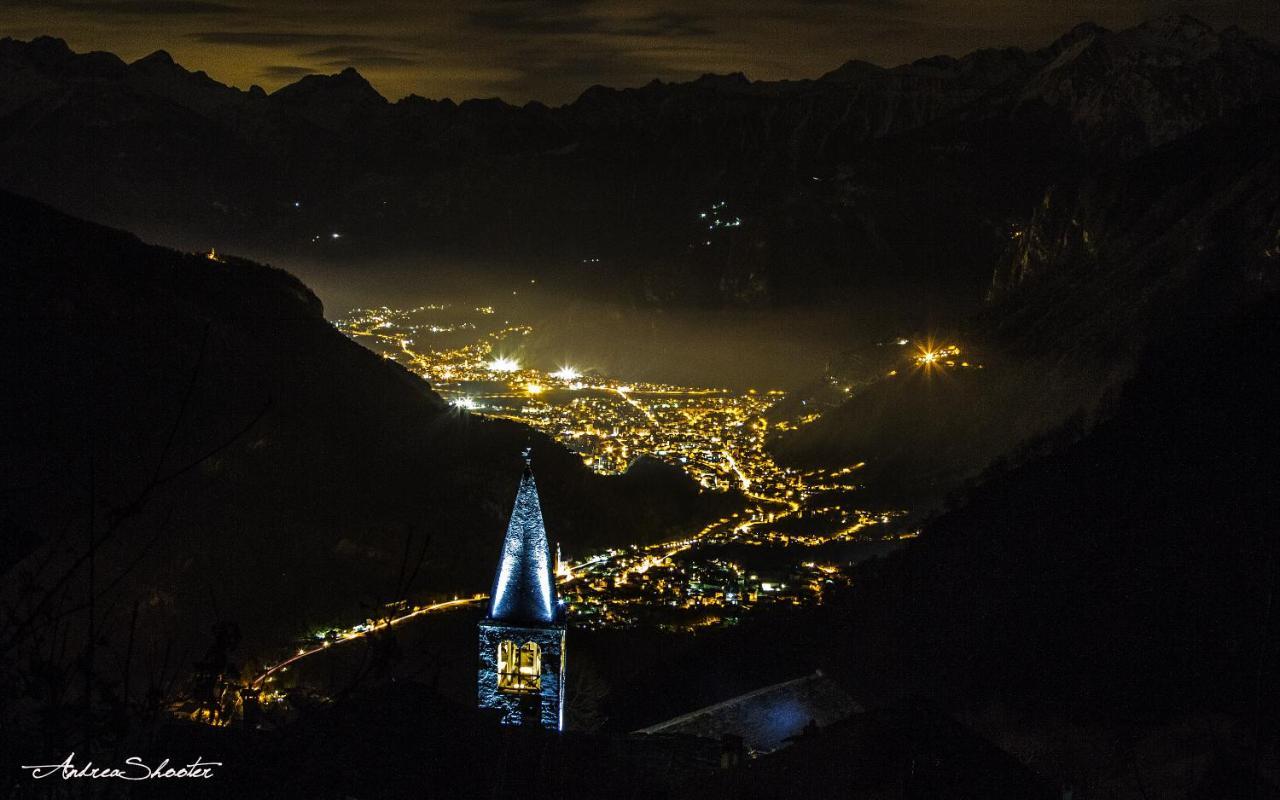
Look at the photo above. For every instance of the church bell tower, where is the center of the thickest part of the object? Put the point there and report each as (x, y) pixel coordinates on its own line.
(522, 652)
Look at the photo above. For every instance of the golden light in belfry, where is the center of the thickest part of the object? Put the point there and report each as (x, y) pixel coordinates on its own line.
(519, 668)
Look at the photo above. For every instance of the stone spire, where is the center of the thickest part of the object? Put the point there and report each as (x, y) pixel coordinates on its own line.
(524, 591)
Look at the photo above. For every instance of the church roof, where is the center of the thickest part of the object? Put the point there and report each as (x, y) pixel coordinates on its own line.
(523, 590)
(767, 718)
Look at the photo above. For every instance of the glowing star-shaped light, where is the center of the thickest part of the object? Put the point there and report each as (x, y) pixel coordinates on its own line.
(504, 364)
(928, 354)
(566, 374)
(469, 403)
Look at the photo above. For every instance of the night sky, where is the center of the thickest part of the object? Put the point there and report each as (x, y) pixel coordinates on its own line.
(551, 50)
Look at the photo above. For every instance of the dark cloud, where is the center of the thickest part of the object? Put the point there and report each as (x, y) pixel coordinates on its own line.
(529, 16)
(275, 39)
(561, 19)
(358, 51)
(374, 61)
(667, 24)
(364, 56)
(278, 71)
(135, 7)
(866, 4)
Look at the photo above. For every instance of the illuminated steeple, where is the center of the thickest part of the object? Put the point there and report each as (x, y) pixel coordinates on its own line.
(522, 640)
(523, 590)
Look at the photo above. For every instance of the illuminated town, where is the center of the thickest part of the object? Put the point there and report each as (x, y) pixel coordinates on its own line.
(472, 358)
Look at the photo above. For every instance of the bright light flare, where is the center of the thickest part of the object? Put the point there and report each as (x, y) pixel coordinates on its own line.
(533, 388)
(930, 355)
(504, 364)
(566, 374)
(469, 403)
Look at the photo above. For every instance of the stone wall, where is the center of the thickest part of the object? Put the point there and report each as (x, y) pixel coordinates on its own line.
(546, 708)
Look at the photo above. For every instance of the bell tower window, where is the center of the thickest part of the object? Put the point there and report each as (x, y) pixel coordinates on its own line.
(521, 658)
(519, 668)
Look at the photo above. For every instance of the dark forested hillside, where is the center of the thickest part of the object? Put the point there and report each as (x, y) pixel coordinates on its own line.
(1112, 269)
(240, 460)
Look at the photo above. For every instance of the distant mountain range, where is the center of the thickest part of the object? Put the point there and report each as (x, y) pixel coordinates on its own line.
(1085, 200)
(902, 180)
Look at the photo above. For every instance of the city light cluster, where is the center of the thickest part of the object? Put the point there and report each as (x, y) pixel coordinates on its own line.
(930, 354)
(503, 364)
(717, 437)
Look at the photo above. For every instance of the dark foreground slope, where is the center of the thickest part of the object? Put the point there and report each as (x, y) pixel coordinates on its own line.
(1120, 585)
(235, 459)
(1105, 611)
(1128, 571)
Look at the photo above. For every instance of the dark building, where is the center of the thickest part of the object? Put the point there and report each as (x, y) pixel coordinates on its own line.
(522, 653)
